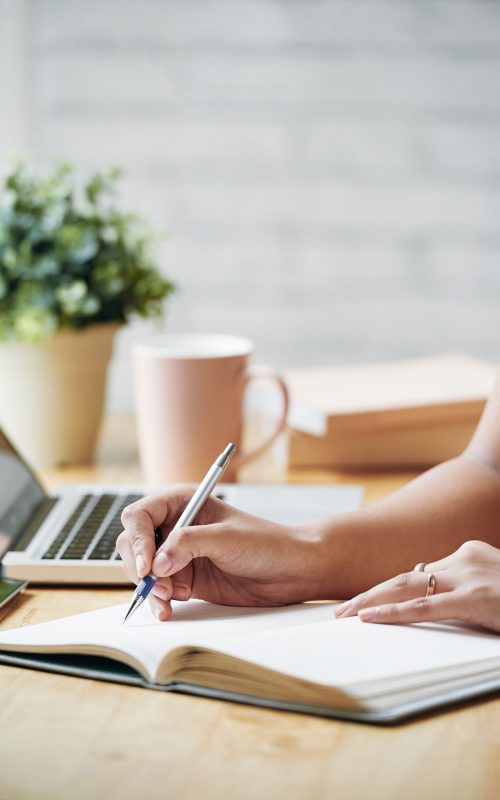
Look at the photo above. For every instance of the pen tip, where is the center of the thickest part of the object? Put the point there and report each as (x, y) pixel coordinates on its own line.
(132, 607)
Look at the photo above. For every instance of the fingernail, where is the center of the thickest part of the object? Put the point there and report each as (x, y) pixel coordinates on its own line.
(161, 564)
(140, 565)
(365, 614)
(182, 592)
(342, 608)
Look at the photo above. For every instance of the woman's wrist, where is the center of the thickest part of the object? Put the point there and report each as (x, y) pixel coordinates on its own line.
(335, 552)
(316, 560)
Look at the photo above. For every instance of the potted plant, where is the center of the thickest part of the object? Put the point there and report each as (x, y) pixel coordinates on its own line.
(73, 269)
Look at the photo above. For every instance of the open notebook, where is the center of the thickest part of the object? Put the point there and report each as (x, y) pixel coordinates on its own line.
(297, 657)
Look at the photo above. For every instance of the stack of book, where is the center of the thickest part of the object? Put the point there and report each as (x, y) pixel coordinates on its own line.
(412, 413)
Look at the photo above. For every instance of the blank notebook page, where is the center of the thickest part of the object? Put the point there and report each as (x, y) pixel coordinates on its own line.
(194, 622)
(347, 652)
(304, 640)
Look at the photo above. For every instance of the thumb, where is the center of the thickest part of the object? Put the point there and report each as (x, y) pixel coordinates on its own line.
(184, 544)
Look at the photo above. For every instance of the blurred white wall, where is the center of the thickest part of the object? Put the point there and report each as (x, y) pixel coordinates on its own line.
(328, 170)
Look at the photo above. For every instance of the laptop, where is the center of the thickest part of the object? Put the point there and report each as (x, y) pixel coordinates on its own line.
(70, 537)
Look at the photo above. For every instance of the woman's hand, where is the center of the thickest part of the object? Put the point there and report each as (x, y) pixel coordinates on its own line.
(467, 588)
(227, 557)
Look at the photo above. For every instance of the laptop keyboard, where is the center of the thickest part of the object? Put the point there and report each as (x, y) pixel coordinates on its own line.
(91, 530)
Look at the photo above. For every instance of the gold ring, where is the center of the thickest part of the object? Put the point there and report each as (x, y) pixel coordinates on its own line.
(431, 585)
(420, 567)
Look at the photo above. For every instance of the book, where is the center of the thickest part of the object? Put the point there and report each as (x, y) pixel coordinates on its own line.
(413, 413)
(298, 658)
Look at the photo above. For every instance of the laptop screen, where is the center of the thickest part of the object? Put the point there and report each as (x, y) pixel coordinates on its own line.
(20, 494)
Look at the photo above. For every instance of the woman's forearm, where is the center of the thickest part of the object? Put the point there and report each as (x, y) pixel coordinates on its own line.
(456, 501)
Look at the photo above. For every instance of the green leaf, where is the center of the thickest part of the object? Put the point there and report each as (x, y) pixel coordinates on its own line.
(71, 259)
(35, 325)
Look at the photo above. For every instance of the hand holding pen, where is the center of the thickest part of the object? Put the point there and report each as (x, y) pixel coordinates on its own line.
(230, 557)
(201, 494)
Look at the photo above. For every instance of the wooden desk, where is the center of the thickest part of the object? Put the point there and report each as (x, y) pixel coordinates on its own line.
(82, 740)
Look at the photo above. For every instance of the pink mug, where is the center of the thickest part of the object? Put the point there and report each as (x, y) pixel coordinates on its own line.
(189, 401)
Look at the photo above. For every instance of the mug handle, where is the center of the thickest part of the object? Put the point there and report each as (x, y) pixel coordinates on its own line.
(267, 373)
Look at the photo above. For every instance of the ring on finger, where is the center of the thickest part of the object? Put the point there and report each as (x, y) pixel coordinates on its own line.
(431, 584)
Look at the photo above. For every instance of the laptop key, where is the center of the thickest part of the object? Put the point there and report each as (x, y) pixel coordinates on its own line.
(101, 556)
(103, 549)
(77, 546)
(106, 544)
(65, 531)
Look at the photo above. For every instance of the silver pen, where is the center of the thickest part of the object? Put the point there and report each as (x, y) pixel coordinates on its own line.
(201, 494)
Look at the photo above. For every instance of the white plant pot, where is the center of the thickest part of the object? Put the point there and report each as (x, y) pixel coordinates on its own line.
(52, 394)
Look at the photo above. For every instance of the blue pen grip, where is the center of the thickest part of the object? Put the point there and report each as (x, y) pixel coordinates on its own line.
(145, 586)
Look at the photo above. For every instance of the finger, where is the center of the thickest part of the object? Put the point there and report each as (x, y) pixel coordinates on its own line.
(182, 583)
(422, 609)
(160, 608)
(140, 520)
(407, 586)
(181, 592)
(178, 587)
(454, 559)
(163, 589)
(185, 544)
(443, 564)
(128, 561)
(470, 550)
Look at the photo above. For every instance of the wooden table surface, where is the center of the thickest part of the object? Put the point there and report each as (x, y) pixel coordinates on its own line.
(72, 738)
